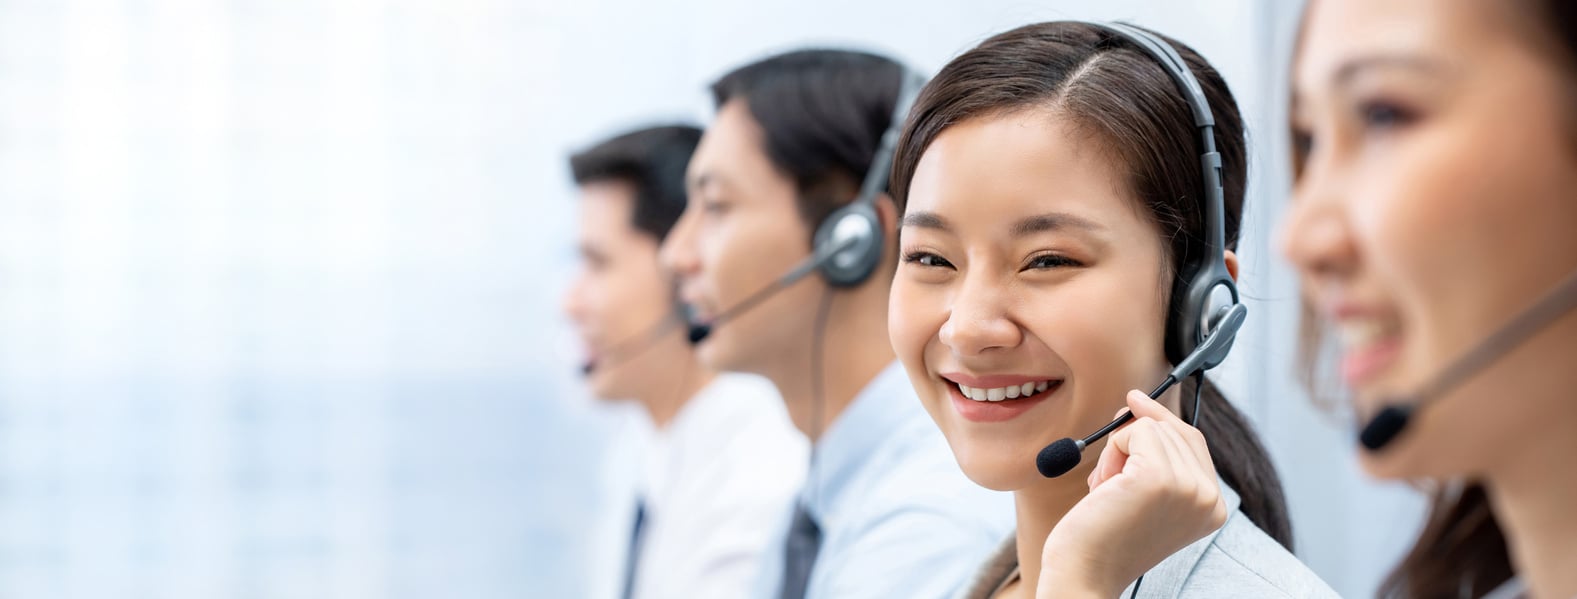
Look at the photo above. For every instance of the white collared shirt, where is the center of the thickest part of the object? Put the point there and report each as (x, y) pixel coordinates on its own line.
(715, 484)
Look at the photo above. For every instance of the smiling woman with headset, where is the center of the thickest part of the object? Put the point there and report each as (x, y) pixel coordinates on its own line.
(1070, 196)
(785, 257)
(1434, 226)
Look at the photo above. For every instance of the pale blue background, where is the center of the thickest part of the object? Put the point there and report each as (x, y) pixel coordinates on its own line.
(278, 282)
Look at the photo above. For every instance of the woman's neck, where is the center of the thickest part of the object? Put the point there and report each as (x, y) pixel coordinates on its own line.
(1531, 484)
(854, 349)
(1532, 496)
(1039, 509)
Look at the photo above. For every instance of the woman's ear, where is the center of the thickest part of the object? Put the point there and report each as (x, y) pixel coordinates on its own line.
(1231, 258)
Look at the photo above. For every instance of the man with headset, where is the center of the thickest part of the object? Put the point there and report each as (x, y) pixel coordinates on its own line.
(720, 460)
(785, 256)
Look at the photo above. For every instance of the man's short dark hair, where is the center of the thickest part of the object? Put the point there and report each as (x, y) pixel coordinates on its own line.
(653, 162)
(822, 113)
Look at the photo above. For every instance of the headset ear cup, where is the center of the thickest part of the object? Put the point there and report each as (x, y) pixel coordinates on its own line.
(1196, 304)
(1180, 331)
(855, 228)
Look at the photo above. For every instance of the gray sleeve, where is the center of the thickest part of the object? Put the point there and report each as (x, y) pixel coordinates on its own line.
(1243, 561)
(1239, 561)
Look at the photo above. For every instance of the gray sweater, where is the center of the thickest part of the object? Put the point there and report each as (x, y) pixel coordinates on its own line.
(1238, 560)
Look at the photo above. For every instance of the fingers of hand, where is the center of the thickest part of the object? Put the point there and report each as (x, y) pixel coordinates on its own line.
(1180, 464)
(1171, 470)
(1139, 443)
(1111, 463)
(1197, 446)
(1108, 464)
(1143, 406)
(1187, 455)
(1194, 479)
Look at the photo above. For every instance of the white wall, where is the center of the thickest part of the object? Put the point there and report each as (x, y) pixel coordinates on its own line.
(278, 280)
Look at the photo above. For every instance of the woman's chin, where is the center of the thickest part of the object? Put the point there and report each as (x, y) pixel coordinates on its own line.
(1388, 465)
(1000, 471)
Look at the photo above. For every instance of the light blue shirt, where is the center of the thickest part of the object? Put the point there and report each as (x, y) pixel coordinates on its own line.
(897, 516)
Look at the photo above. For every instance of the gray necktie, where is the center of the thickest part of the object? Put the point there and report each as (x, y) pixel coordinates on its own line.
(799, 554)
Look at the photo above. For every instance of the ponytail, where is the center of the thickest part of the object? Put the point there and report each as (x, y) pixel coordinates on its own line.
(1240, 460)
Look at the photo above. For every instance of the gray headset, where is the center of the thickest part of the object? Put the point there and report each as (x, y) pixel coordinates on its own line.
(1204, 291)
(851, 237)
(1206, 313)
(847, 246)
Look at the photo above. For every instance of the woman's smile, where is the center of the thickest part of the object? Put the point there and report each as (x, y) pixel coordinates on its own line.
(997, 398)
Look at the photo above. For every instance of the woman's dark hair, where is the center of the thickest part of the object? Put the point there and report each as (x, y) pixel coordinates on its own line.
(823, 113)
(1462, 551)
(1131, 108)
(651, 160)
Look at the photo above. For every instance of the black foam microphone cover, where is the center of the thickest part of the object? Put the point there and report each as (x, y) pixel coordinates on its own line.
(1058, 458)
(698, 333)
(587, 368)
(1385, 426)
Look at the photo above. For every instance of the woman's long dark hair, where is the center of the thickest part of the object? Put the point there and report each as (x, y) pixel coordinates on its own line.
(1462, 551)
(1131, 108)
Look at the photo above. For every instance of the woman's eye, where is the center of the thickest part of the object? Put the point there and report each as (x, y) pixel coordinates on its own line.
(1302, 143)
(1048, 261)
(1384, 115)
(713, 206)
(926, 259)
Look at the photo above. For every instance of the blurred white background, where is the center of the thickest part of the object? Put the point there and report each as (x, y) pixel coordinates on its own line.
(279, 282)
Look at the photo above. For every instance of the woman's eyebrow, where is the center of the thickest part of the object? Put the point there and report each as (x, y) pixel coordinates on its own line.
(1054, 221)
(1040, 223)
(1349, 70)
(924, 220)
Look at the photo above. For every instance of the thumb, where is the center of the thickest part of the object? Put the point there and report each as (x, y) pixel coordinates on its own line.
(1143, 407)
(1114, 456)
(1110, 462)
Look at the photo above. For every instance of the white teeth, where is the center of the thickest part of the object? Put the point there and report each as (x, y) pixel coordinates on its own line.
(1362, 332)
(1003, 393)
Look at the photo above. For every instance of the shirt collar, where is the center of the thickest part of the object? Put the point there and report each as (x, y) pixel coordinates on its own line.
(693, 431)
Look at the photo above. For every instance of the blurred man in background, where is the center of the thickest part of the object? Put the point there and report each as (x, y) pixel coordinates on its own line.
(720, 461)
